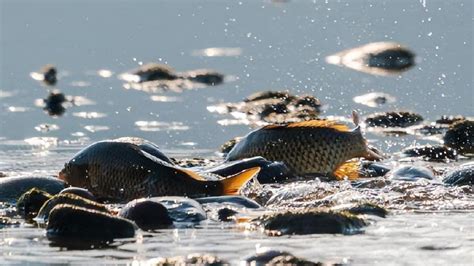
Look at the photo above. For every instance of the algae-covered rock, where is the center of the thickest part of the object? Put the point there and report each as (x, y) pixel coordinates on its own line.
(29, 204)
(310, 221)
(147, 214)
(191, 259)
(70, 199)
(460, 176)
(393, 119)
(460, 136)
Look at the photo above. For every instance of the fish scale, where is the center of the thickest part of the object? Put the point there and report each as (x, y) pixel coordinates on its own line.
(310, 147)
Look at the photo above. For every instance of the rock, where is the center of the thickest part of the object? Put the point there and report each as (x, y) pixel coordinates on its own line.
(81, 192)
(147, 214)
(71, 226)
(149, 72)
(6, 222)
(411, 173)
(181, 209)
(238, 201)
(227, 147)
(276, 257)
(29, 204)
(54, 104)
(371, 169)
(364, 208)
(393, 119)
(70, 199)
(449, 119)
(226, 214)
(310, 221)
(191, 259)
(431, 153)
(460, 136)
(47, 74)
(460, 176)
(205, 76)
(378, 58)
(11, 188)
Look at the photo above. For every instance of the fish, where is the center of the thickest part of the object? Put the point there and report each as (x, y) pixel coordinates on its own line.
(378, 58)
(313, 147)
(122, 171)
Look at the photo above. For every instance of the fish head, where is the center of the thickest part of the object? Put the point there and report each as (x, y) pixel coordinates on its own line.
(75, 174)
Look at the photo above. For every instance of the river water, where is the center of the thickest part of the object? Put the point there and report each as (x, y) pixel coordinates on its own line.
(270, 45)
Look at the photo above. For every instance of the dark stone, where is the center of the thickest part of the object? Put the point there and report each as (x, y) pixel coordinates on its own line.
(263, 95)
(369, 209)
(431, 153)
(392, 59)
(147, 214)
(449, 119)
(227, 147)
(463, 175)
(393, 119)
(181, 209)
(11, 188)
(236, 200)
(81, 192)
(460, 136)
(208, 77)
(29, 204)
(49, 73)
(310, 222)
(70, 225)
(412, 173)
(371, 169)
(226, 214)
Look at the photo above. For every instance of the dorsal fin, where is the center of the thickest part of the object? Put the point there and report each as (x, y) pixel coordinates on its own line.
(312, 123)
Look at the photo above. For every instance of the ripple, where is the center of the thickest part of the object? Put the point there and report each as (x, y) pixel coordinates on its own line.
(218, 51)
(105, 73)
(80, 84)
(96, 128)
(6, 94)
(161, 98)
(89, 115)
(43, 142)
(18, 109)
(160, 126)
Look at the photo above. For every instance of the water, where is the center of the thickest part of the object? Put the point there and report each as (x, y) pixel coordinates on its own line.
(273, 46)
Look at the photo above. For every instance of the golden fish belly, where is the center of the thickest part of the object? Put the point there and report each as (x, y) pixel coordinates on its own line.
(304, 150)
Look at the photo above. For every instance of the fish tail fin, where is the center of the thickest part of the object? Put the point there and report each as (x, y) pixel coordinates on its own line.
(232, 184)
(349, 169)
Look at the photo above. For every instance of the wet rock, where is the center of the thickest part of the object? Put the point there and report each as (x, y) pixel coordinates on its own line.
(372, 169)
(181, 209)
(272, 107)
(70, 199)
(54, 104)
(81, 192)
(411, 173)
(431, 153)
(3, 174)
(276, 257)
(227, 147)
(226, 214)
(191, 259)
(147, 214)
(379, 58)
(11, 188)
(8, 222)
(70, 225)
(310, 222)
(270, 172)
(393, 119)
(374, 99)
(149, 72)
(460, 176)
(29, 204)
(193, 162)
(367, 208)
(449, 119)
(460, 136)
(208, 77)
(47, 74)
(239, 201)
(430, 130)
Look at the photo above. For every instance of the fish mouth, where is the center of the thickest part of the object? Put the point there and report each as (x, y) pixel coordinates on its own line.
(62, 175)
(374, 154)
